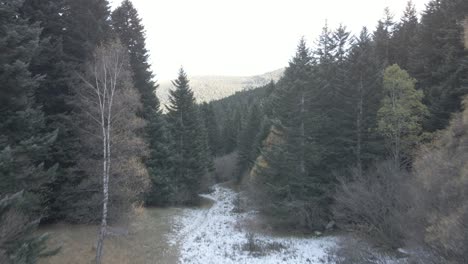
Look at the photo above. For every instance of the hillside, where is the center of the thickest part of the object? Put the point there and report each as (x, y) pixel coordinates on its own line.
(209, 88)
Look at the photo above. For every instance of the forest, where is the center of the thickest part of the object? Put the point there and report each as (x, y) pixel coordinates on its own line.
(364, 134)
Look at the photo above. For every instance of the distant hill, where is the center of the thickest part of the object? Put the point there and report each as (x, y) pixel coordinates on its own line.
(209, 88)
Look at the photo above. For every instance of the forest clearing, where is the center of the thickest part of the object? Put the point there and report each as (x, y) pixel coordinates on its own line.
(321, 132)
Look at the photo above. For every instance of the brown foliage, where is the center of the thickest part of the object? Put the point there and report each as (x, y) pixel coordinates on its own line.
(375, 204)
(128, 175)
(441, 192)
(426, 210)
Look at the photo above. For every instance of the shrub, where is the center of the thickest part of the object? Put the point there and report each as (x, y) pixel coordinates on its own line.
(353, 251)
(440, 193)
(374, 203)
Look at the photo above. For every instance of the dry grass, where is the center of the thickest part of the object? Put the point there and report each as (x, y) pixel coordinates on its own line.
(144, 243)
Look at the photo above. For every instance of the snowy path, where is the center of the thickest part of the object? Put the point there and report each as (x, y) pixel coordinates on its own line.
(213, 236)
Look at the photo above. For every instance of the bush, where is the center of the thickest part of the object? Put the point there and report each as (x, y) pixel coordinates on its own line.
(426, 209)
(440, 193)
(352, 251)
(374, 203)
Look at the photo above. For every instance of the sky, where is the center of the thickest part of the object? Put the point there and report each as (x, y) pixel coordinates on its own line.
(245, 37)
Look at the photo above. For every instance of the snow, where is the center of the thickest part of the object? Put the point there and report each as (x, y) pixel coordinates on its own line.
(214, 236)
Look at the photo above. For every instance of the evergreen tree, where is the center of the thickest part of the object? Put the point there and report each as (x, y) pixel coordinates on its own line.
(212, 128)
(232, 127)
(285, 173)
(159, 162)
(185, 127)
(383, 46)
(24, 140)
(364, 94)
(441, 65)
(331, 77)
(405, 38)
(131, 32)
(128, 26)
(86, 25)
(71, 32)
(53, 93)
(246, 153)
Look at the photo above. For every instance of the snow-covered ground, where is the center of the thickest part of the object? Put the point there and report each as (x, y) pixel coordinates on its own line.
(214, 235)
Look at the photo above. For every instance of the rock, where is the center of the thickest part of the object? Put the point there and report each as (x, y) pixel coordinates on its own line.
(403, 252)
(330, 225)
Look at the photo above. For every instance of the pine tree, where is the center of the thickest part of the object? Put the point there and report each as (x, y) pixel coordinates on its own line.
(364, 94)
(246, 152)
(86, 25)
(185, 127)
(71, 32)
(160, 161)
(24, 140)
(128, 26)
(332, 74)
(131, 32)
(440, 66)
(284, 174)
(232, 128)
(383, 47)
(53, 93)
(212, 128)
(405, 37)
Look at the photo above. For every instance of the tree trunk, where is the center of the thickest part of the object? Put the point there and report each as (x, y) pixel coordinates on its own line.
(302, 158)
(105, 187)
(359, 128)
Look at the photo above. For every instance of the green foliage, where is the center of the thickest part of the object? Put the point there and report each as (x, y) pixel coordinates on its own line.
(212, 128)
(440, 60)
(128, 26)
(87, 25)
(190, 146)
(286, 174)
(401, 114)
(247, 152)
(230, 111)
(52, 94)
(24, 139)
(362, 100)
(405, 38)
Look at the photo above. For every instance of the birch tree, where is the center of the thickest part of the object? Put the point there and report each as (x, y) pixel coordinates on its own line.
(401, 113)
(108, 106)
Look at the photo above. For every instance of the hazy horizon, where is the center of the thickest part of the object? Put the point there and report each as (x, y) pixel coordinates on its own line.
(245, 38)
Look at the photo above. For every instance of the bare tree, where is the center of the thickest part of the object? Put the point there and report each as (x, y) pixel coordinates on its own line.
(107, 103)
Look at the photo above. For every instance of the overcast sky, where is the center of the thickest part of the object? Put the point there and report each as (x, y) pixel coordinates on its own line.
(245, 37)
